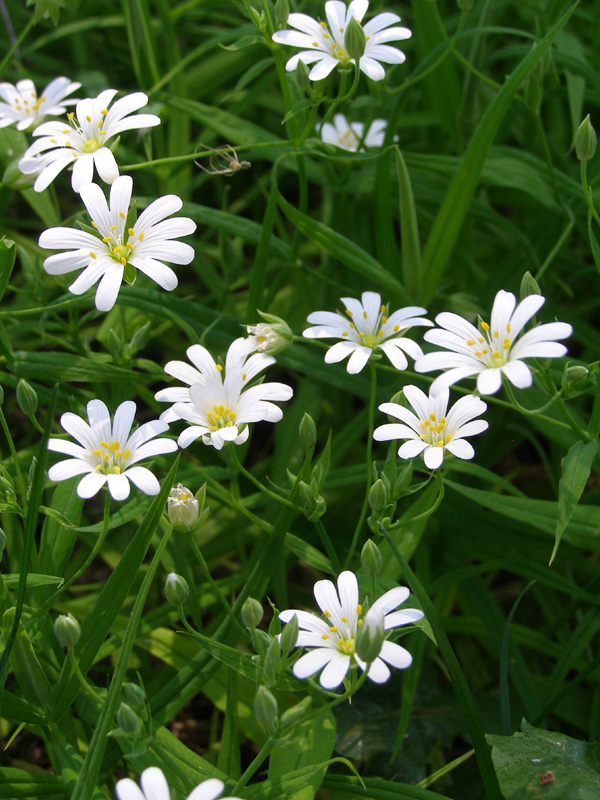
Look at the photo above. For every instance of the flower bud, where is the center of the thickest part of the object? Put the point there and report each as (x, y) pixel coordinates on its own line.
(282, 12)
(15, 179)
(2, 542)
(67, 630)
(182, 508)
(307, 431)
(258, 18)
(114, 344)
(371, 559)
(293, 715)
(314, 505)
(529, 286)
(354, 40)
(371, 635)
(177, 590)
(577, 379)
(134, 695)
(378, 496)
(252, 612)
(301, 75)
(141, 336)
(289, 636)
(127, 719)
(26, 397)
(265, 708)
(585, 140)
(272, 336)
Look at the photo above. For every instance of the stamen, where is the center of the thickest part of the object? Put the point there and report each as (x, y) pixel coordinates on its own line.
(93, 255)
(325, 636)
(344, 619)
(333, 629)
(396, 328)
(130, 231)
(485, 326)
(219, 367)
(359, 609)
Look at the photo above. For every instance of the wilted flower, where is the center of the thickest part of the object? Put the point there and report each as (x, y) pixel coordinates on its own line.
(325, 42)
(117, 252)
(108, 452)
(366, 328)
(220, 401)
(433, 429)
(83, 143)
(333, 640)
(349, 135)
(23, 106)
(155, 787)
(496, 349)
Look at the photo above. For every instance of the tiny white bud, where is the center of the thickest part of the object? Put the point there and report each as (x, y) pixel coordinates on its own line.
(182, 508)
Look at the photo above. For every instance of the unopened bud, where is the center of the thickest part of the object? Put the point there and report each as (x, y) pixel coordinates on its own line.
(529, 286)
(355, 40)
(134, 695)
(271, 336)
(67, 630)
(252, 612)
(282, 12)
(378, 496)
(314, 505)
(258, 18)
(301, 74)
(371, 635)
(577, 379)
(307, 431)
(182, 508)
(294, 714)
(141, 336)
(265, 708)
(15, 179)
(371, 559)
(289, 636)
(32, 467)
(127, 719)
(114, 344)
(177, 590)
(585, 140)
(26, 397)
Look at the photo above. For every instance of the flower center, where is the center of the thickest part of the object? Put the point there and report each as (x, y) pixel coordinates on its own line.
(492, 349)
(111, 459)
(368, 331)
(349, 140)
(220, 417)
(434, 431)
(344, 638)
(90, 146)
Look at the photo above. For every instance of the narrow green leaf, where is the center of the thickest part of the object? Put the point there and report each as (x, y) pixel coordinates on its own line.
(12, 580)
(8, 252)
(46, 366)
(595, 247)
(409, 231)
(16, 783)
(308, 553)
(24, 662)
(576, 468)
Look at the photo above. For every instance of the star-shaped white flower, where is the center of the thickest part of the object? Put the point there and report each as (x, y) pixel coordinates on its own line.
(496, 349)
(333, 640)
(105, 257)
(348, 135)
(365, 329)
(324, 43)
(83, 140)
(155, 787)
(220, 401)
(108, 452)
(433, 430)
(23, 106)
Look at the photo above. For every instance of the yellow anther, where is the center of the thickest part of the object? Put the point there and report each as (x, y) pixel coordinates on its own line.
(470, 341)
(496, 354)
(383, 320)
(323, 24)
(365, 314)
(118, 454)
(485, 326)
(380, 334)
(315, 44)
(508, 327)
(432, 417)
(117, 470)
(102, 133)
(126, 453)
(352, 325)
(439, 444)
(92, 254)
(325, 636)
(361, 334)
(348, 312)
(440, 427)
(106, 238)
(106, 457)
(485, 351)
(113, 227)
(87, 116)
(122, 215)
(244, 376)
(360, 622)
(450, 435)
(396, 328)
(113, 446)
(326, 36)
(94, 224)
(67, 144)
(70, 115)
(123, 261)
(506, 343)
(480, 339)
(141, 237)
(327, 613)
(478, 353)
(129, 245)
(53, 141)
(345, 333)
(97, 452)
(66, 130)
(496, 334)
(344, 619)
(333, 629)
(104, 111)
(130, 231)
(100, 124)
(359, 609)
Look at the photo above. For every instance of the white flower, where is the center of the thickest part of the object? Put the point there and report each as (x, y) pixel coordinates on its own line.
(349, 135)
(220, 403)
(182, 507)
(433, 429)
(154, 787)
(109, 453)
(365, 329)
(24, 107)
(83, 143)
(106, 256)
(324, 41)
(333, 640)
(494, 350)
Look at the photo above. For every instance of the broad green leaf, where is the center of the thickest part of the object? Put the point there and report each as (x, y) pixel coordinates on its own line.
(576, 467)
(376, 789)
(534, 763)
(21, 783)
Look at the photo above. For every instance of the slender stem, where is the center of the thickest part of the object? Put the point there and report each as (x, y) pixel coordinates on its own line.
(587, 191)
(326, 542)
(13, 452)
(584, 435)
(215, 588)
(547, 157)
(255, 765)
(201, 153)
(17, 43)
(184, 621)
(283, 500)
(530, 411)
(403, 522)
(81, 677)
(371, 425)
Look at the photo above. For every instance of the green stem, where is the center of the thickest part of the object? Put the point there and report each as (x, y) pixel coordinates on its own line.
(13, 452)
(365, 505)
(587, 191)
(202, 153)
(533, 412)
(215, 588)
(548, 157)
(455, 673)
(581, 434)
(283, 500)
(255, 765)
(403, 522)
(17, 43)
(88, 689)
(326, 542)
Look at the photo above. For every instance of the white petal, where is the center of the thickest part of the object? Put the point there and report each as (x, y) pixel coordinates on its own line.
(412, 448)
(460, 448)
(372, 69)
(106, 165)
(164, 276)
(358, 359)
(157, 211)
(108, 288)
(83, 171)
(126, 789)
(407, 616)
(312, 662)
(395, 655)
(322, 69)
(154, 784)
(118, 486)
(143, 479)
(91, 485)
(122, 422)
(433, 457)
(335, 672)
(518, 374)
(489, 381)
(68, 469)
(208, 790)
(378, 672)
(391, 599)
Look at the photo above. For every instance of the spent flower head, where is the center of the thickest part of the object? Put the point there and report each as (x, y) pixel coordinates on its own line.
(220, 401)
(23, 106)
(108, 453)
(495, 349)
(117, 251)
(326, 46)
(433, 430)
(333, 640)
(365, 328)
(82, 141)
(351, 135)
(154, 786)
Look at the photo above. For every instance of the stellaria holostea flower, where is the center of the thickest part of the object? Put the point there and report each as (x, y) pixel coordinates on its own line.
(23, 106)
(496, 349)
(324, 42)
(333, 640)
(220, 401)
(108, 452)
(366, 328)
(433, 429)
(83, 140)
(182, 507)
(107, 256)
(154, 786)
(348, 135)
